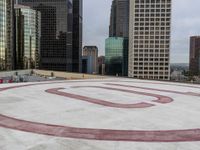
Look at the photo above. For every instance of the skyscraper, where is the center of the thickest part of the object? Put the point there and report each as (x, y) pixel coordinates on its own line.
(195, 55)
(77, 35)
(117, 44)
(27, 37)
(119, 18)
(149, 39)
(57, 35)
(6, 34)
(116, 56)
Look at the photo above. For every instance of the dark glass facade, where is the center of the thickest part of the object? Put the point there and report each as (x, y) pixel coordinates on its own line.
(116, 56)
(27, 37)
(195, 55)
(77, 35)
(57, 38)
(117, 44)
(119, 19)
(6, 34)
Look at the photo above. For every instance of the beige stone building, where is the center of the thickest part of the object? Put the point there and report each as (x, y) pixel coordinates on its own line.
(149, 39)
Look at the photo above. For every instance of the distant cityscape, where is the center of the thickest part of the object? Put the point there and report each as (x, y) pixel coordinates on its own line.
(47, 35)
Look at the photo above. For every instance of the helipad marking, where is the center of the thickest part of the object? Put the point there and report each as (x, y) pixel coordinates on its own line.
(98, 101)
(189, 135)
(181, 85)
(160, 98)
(100, 134)
(153, 89)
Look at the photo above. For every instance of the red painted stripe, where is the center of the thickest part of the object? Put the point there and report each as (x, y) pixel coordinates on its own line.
(153, 89)
(97, 101)
(181, 85)
(100, 134)
(160, 98)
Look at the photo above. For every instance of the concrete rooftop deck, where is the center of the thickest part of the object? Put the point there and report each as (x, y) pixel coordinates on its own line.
(100, 114)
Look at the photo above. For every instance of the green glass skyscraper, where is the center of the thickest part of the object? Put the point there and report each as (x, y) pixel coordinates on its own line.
(6, 35)
(117, 43)
(116, 56)
(27, 37)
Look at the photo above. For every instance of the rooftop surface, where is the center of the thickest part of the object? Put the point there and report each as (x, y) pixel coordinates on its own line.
(100, 114)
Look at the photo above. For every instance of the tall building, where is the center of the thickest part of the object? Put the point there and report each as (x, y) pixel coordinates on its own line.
(116, 56)
(57, 38)
(77, 35)
(93, 52)
(116, 46)
(27, 37)
(119, 19)
(6, 35)
(149, 39)
(195, 55)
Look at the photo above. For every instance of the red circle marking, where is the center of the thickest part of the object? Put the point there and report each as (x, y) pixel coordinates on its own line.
(98, 101)
(160, 98)
(99, 134)
(181, 85)
(152, 89)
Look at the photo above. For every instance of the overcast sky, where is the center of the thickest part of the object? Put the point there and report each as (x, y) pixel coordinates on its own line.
(185, 23)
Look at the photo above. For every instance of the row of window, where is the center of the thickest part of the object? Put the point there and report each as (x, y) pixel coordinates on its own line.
(152, 23)
(153, 19)
(151, 63)
(153, 6)
(140, 73)
(151, 77)
(160, 37)
(149, 55)
(153, 1)
(151, 68)
(151, 50)
(140, 15)
(151, 46)
(161, 41)
(153, 10)
(152, 28)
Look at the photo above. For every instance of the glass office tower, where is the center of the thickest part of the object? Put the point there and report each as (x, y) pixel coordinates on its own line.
(6, 35)
(119, 19)
(117, 44)
(77, 35)
(27, 37)
(56, 33)
(116, 56)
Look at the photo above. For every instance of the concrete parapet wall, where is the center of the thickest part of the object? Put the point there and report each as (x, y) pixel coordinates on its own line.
(12, 73)
(67, 75)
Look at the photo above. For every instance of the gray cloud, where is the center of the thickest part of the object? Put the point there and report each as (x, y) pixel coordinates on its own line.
(96, 23)
(185, 23)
